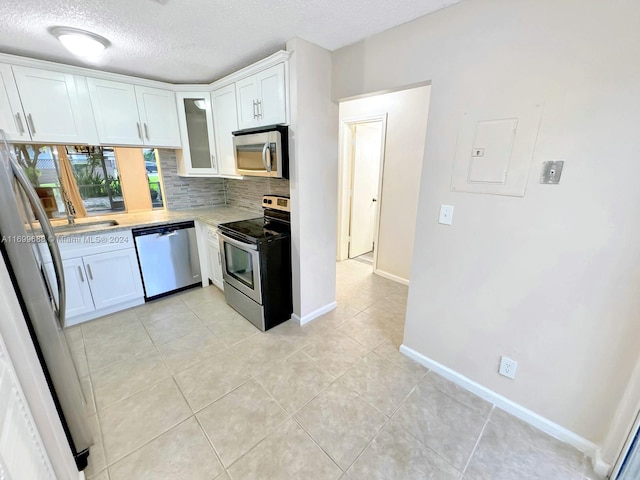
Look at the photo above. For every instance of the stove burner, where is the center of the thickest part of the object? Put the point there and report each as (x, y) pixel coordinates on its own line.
(257, 229)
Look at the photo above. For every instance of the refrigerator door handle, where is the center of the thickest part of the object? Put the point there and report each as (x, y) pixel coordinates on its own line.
(49, 236)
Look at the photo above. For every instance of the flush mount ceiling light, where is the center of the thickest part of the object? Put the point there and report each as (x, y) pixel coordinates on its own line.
(80, 42)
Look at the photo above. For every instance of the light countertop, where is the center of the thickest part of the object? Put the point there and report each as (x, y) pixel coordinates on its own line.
(126, 221)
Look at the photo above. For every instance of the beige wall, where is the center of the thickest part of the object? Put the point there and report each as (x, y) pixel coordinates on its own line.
(313, 159)
(550, 279)
(407, 112)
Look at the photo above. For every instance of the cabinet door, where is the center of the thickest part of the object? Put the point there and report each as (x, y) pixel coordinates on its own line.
(116, 111)
(12, 119)
(271, 86)
(215, 262)
(114, 277)
(50, 103)
(247, 98)
(198, 141)
(225, 121)
(159, 117)
(79, 299)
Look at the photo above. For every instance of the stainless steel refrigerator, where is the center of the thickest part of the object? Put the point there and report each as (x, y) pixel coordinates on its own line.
(23, 226)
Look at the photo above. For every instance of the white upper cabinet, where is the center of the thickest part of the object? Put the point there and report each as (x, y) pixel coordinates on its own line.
(158, 116)
(133, 115)
(12, 119)
(116, 112)
(225, 121)
(198, 156)
(247, 98)
(50, 104)
(272, 103)
(261, 98)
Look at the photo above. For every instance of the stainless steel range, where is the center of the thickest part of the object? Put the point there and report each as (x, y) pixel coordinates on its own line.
(256, 264)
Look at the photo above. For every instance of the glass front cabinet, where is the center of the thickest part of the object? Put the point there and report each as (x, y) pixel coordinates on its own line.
(198, 155)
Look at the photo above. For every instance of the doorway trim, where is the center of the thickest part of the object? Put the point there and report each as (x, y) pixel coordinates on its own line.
(345, 165)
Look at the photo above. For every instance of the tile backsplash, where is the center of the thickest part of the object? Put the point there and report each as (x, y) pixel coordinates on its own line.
(248, 193)
(188, 192)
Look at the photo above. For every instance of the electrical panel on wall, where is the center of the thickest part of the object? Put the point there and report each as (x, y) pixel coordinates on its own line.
(494, 151)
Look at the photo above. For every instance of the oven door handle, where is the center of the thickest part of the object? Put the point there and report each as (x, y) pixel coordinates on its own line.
(237, 243)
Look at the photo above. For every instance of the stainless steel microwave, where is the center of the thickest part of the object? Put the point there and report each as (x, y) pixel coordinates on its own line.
(262, 151)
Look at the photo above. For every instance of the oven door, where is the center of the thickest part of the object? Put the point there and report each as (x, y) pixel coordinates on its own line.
(241, 266)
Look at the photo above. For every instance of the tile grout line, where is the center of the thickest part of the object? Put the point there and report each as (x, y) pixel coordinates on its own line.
(475, 446)
(109, 465)
(298, 348)
(95, 402)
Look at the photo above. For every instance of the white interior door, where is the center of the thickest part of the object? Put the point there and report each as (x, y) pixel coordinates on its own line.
(365, 174)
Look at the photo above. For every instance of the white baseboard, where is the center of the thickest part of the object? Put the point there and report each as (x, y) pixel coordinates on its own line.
(315, 314)
(82, 476)
(391, 276)
(589, 448)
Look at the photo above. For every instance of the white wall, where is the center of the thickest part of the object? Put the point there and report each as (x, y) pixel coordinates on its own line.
(551, 279)
(313, 179)
(407, 112)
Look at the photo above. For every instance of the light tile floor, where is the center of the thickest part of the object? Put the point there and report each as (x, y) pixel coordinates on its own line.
(185, 388)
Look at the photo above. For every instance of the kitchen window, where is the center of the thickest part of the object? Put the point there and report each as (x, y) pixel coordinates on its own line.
(92, 178)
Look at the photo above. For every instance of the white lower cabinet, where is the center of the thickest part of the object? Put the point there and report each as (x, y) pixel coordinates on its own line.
(78, 297)
(215, 261)
(98, 283)
(114, 277)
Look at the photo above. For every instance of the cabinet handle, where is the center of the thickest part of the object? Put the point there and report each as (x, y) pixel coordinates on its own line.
(89, 271)
(213, 161)
(259, 103)
(19, 124)
(31, 125)
(219, 259)
(81, 275)
(139, 130)
(146, 130)
(255, 109)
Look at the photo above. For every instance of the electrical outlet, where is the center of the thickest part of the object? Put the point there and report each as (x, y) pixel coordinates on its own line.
(446, 215)
(508, 367)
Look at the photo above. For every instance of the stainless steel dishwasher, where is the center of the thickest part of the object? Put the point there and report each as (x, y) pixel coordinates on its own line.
(168, 258)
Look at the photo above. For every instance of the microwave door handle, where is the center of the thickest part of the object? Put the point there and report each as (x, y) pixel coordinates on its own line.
(267, 166)
(49, 236)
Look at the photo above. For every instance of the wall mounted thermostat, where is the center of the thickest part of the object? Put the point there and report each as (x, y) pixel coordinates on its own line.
(551, 172)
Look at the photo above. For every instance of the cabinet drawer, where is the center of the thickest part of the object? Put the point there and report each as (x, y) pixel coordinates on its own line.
(73, 246)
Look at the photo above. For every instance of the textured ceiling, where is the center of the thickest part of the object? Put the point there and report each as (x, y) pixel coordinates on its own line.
(192, 41)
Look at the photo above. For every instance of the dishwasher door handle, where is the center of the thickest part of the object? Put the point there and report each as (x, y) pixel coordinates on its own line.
(168, 234)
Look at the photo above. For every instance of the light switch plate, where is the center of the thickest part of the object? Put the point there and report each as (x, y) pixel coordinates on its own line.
(551, 172)
(446, 214)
